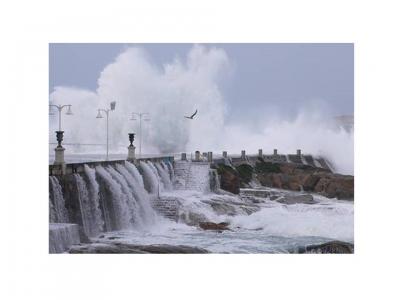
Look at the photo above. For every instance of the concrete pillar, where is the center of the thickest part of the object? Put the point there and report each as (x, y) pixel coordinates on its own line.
(183, 156)
(224, 154)
(275, 151)
(209, 157)
(243, 154)
(131, 153)
(260, 154)
(59, 151)
(197, 155)
(131, 147)
(59, 156)
(298, 152)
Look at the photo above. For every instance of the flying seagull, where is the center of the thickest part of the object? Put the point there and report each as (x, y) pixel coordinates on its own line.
(191, 117)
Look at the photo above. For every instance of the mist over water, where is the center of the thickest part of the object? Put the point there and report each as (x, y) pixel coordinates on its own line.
(178, 88)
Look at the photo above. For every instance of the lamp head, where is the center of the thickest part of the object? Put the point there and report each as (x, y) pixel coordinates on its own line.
(69, 111)
(99, 116)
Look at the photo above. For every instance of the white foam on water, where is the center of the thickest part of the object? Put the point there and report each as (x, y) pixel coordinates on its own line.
(330, 220)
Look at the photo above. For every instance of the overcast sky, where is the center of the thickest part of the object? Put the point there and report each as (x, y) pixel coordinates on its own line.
(264, 78)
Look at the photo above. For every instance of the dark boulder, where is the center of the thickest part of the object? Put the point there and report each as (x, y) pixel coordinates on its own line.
(336, 247)
(214, 226)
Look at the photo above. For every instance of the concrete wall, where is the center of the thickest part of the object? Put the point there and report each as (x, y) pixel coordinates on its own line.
(79, 167)
(62, 237)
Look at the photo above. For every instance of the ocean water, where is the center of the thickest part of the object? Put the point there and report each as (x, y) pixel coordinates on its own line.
(274, 228)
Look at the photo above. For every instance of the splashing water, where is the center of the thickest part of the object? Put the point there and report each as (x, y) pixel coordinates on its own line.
(60, 214)
(165, 177)
(90, 212)
(97, 221)
(118, 201)
(151, 181)
(172, 89)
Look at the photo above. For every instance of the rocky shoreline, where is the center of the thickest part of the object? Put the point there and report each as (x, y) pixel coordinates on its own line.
(288, 176)
(122, 248)
(332, 247)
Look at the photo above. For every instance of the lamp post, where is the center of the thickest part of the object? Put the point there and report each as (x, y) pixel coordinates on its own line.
(59, 150)
(99, 116)
(141, 117)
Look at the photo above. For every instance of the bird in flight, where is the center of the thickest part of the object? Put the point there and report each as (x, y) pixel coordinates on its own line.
(191, 117)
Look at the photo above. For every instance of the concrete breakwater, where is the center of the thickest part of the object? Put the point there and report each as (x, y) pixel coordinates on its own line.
(121, 195)
(108, 196)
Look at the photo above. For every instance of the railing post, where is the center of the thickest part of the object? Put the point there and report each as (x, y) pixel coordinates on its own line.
(210, 156)
(197, 156)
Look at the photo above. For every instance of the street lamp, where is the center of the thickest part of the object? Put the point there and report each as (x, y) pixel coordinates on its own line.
(59, 150)
(60, 108)
(142, 116)
(99, 116)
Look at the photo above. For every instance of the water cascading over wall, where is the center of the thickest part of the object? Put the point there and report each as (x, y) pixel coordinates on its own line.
(58, 212)
(107, 198)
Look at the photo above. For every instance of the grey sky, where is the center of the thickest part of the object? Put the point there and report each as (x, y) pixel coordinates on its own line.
(278, 77)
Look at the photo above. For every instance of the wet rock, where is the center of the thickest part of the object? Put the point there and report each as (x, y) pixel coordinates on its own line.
(117, 248)
(255, 193)
(214, 226)
(336, 247)
(245, 173)
(229, 179)
(336, 186)
(294, 177)
(296, 199)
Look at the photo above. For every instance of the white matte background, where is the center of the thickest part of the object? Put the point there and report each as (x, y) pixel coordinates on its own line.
(30, 273)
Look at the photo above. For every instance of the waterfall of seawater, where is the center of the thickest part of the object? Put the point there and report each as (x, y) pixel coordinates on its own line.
(170, 169)
(89, 208)
(150, 178)
(93, 188)
(135, 173)
(146, 213)
(118, 202)
(60, 214)
(164, 175)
